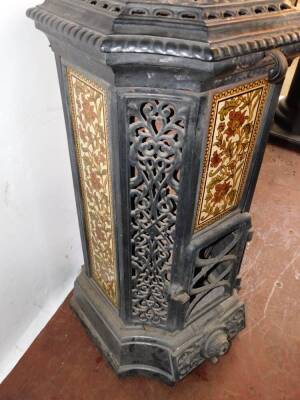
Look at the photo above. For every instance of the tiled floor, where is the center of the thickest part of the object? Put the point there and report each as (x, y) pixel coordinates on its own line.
(264, 361)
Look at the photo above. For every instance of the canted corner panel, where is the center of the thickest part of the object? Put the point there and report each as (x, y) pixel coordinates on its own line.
(157, 129)
(90, 129)
(233, 128)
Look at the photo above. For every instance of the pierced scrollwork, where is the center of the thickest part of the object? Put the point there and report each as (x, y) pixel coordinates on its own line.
(215, 273)
(156, 130)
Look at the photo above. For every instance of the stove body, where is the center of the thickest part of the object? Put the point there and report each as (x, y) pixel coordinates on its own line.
(167, 108)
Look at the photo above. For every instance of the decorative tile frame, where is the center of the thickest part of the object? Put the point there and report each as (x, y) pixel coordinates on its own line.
(90, 130)
(233, 128)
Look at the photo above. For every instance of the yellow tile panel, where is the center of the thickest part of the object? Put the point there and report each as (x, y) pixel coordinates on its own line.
(234, 124)
(90, 128)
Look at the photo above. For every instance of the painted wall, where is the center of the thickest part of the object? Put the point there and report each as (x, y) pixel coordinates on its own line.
(40, 251)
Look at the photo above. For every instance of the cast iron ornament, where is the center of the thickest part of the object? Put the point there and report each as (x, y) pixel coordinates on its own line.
(167, 108)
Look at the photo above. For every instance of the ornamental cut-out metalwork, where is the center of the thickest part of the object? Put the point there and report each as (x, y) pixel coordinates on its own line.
(89, 119)
(234, 125)
(215, 269)
(156, 129)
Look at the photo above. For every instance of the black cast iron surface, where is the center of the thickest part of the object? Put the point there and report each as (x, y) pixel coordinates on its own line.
(161, 64)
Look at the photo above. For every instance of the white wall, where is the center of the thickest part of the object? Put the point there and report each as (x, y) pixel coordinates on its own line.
(40, 251)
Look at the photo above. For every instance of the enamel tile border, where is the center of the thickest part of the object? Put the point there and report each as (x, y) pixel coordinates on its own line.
(234, 124)
(90, 129)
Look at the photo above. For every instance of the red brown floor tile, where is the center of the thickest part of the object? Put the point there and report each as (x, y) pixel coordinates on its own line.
(264, 360)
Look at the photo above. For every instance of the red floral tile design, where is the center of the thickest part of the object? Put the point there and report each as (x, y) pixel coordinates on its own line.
(234, 125)
(89, 119)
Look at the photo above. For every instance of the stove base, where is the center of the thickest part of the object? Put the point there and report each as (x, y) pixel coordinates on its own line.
(152, 351)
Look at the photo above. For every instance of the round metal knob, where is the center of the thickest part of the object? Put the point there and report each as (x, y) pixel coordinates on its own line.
(216, 345)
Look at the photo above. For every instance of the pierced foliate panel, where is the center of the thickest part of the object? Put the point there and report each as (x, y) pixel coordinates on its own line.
(234, 125)
(216, 265)
(157, 129)
(89, 119)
